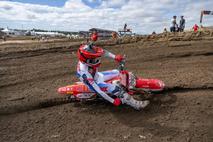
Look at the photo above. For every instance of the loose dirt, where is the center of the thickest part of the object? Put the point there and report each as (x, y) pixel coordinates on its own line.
(184, 113)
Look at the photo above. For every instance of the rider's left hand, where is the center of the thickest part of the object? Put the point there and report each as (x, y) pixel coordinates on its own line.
(117, 102)
(119, 58)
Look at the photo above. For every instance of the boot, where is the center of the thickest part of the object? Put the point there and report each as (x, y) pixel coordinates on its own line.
(129, 100)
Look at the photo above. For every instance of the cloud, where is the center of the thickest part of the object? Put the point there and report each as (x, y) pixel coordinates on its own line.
(76, 5)
(143, 16)
(6, 7)
(113, 3)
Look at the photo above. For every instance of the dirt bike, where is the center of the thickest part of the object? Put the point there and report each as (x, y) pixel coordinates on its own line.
(132, 84)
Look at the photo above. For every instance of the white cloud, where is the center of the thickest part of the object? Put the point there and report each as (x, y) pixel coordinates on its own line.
(76, 5)
(113, 3)
(143, 16)
(92, 1)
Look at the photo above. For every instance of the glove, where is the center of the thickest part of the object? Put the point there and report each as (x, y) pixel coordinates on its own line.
(119, 58)
(117, 102)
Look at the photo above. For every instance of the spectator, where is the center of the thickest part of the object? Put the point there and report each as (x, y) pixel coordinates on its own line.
(165, 30)
(177, 28)
(182, 24)
(173, 24)
(195, 28)
(125, 26)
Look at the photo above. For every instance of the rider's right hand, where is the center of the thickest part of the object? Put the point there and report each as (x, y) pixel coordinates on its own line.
(119, 58)
(117, 102)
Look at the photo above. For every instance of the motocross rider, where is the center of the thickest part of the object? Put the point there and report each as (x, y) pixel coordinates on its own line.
(87, 71)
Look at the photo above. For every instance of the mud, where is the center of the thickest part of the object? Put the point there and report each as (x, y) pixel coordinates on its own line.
(30, 77)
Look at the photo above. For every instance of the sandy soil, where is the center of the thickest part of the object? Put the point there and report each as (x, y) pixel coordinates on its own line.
(184, 113)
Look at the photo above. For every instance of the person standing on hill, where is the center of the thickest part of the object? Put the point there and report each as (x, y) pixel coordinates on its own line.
(195, 28)
(182, 24)
(125, 27)
(173, 24)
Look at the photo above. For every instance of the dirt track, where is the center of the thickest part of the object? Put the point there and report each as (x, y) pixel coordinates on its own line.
(32, 76)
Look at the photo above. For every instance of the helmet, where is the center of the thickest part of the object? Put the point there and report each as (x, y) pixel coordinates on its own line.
(94, 36)
(90, 55)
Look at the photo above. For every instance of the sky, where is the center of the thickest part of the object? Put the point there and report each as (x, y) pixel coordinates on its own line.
(142, 16)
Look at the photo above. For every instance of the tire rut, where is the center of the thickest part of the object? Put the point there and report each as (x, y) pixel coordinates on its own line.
(33, 53)
(13, 83)
(31, 106)
(180, 89)
(175, 56)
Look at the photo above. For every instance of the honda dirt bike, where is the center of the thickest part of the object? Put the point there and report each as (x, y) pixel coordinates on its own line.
(133, 85)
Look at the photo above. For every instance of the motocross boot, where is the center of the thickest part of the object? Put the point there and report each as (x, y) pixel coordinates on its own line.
(129, 100)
